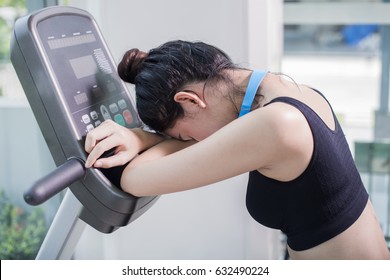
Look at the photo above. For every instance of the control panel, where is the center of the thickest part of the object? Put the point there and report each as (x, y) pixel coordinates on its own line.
(89, 85)
(71, 83)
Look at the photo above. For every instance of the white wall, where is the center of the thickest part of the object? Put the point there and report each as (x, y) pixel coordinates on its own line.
(210, 222)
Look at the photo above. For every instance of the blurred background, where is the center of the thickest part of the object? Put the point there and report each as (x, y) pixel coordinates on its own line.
(341, 47)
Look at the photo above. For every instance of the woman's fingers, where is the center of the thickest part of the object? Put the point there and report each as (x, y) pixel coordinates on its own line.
(97, 151)
(103, 131)
(116, 160)
(107, 136)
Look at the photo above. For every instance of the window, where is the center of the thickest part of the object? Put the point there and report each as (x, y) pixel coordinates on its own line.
(10, 10)
(32, 161)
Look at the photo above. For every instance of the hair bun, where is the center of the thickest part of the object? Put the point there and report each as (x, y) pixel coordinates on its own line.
(129, 66)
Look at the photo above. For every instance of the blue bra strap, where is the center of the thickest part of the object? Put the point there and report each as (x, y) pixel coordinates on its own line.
(254, 83)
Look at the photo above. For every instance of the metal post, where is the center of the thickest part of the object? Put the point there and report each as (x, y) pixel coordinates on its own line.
(64, 232)
(385, 47)
(382, 116)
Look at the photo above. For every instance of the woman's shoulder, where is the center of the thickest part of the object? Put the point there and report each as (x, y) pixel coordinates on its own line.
(267, 135)
(280, 118)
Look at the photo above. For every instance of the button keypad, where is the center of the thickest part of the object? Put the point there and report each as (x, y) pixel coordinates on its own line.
(118, 111)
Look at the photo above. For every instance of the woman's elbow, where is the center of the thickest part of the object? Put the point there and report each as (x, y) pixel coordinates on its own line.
(127, 185)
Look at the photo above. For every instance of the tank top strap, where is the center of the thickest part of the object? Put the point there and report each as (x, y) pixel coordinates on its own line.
(310, 115)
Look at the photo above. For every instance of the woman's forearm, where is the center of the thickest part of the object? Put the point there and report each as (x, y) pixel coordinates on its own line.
(156, 152)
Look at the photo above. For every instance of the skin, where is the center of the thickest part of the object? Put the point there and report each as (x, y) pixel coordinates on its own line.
(275, 140)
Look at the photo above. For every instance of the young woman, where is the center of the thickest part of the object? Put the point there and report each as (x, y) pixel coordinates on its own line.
(215, 120)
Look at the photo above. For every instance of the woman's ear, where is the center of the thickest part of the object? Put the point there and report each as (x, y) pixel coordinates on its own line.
(189, 98)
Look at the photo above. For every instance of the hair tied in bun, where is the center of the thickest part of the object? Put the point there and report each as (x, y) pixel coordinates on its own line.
(129, 66)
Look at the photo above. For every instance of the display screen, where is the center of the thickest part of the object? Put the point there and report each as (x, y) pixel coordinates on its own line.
(84, 66)
(70, 40)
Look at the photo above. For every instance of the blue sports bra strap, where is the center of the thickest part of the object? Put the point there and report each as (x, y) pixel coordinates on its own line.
(254, 83)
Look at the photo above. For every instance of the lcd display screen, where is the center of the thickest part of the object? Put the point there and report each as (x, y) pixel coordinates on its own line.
(84, 66)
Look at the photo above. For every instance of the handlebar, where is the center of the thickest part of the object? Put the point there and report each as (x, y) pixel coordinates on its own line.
(54, 182)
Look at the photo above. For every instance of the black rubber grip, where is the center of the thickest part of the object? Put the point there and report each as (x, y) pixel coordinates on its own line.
(54, 182)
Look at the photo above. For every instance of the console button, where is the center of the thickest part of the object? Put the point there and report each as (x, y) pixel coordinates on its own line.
(86, 119)
(127, 116)
(90, 127)
(114, 108)
(119, 119)
(105, 113)
(122, 104)
(94, 115)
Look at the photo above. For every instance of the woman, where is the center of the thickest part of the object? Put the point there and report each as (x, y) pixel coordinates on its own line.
(215, 120)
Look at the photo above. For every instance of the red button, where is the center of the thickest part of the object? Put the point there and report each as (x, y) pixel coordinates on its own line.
(127, 116)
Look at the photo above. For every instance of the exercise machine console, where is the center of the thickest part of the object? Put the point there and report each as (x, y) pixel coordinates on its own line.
(71, 83)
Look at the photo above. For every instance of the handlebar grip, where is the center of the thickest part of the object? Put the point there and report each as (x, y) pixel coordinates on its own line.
(54, 182)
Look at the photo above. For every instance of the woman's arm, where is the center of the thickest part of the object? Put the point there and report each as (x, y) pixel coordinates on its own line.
(255, 141)
(265, 139)
(158, 151)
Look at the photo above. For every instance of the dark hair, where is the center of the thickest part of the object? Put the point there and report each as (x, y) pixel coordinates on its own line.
(164, 71)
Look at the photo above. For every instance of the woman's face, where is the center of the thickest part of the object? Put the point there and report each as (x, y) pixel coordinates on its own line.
(192, 128)
(203, 123)
(202, 115)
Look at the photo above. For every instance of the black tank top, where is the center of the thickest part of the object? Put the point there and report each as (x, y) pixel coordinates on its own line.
(326, 199)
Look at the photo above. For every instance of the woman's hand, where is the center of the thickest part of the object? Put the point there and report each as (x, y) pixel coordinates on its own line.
(127, 143)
